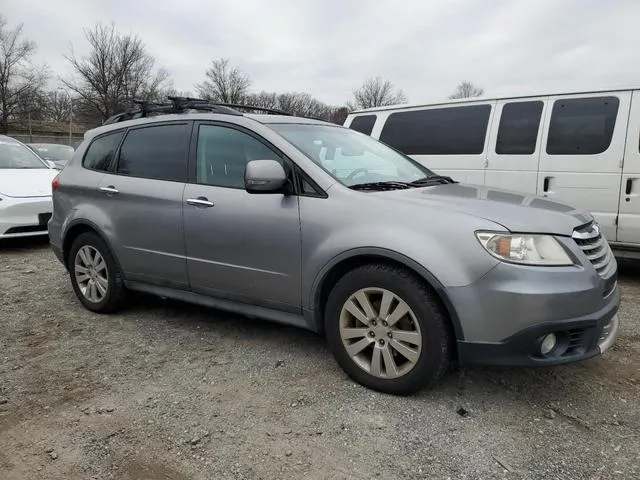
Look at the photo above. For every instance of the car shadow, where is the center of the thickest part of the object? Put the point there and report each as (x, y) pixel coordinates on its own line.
(20, 244)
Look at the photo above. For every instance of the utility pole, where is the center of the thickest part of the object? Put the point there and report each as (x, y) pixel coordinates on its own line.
(70, 117)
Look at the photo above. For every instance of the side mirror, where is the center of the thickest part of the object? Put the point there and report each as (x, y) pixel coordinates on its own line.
(264, 176)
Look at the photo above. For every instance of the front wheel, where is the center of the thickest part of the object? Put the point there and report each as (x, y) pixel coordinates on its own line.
(387, 330)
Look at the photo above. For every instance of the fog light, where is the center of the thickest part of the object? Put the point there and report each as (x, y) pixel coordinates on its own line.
(548, 343)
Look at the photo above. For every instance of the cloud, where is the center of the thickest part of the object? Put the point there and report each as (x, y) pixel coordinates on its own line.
(328, 47)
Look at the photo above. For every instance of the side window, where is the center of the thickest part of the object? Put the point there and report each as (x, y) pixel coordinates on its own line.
(159, 152)
(223, 154)
(101, 152)
(518, 130)
(582, 126)
(363, 124)
(438, 131)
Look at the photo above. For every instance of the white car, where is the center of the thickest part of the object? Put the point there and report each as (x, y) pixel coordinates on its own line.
(25, 190)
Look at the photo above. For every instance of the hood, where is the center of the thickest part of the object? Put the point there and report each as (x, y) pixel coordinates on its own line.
(515, 211)
(26, 182)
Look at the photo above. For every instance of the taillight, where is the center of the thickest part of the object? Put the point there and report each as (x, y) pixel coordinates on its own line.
(54, 183)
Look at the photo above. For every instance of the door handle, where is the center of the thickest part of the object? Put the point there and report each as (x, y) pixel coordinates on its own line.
(109, 189)
(627, 189)
(200, 202)
(545, 184)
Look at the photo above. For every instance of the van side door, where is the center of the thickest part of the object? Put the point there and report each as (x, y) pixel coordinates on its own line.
(514, 145)
(583, 148)
(629, 216)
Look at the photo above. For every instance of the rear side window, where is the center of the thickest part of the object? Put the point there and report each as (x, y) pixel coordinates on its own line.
(363, 124)
(438, 131)
(518, 130)
(101, 152)
(159, 152)
(582, 126)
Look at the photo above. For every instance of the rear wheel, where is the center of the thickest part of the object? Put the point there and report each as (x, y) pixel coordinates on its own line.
(387, 330)
(94, 274)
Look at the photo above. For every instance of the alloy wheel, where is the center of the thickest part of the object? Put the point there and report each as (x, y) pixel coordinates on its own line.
(380, 332)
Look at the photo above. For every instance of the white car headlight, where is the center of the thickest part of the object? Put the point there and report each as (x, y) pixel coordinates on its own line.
(526, 249)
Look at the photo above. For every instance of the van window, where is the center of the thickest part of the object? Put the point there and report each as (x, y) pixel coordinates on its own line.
(518, 130)
(582, 126)
(363, 124)
(438, 131)
(159, 152)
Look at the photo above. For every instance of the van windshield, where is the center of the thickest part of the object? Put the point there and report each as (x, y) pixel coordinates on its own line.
(351, 157)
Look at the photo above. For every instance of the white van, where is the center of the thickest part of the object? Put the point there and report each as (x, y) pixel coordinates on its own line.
(581, 148)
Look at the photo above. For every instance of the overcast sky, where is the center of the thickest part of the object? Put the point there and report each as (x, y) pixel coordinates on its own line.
(327, 47)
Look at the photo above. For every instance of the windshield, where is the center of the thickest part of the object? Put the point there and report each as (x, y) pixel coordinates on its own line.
(351, 157)
(16, 155)
(55, 153)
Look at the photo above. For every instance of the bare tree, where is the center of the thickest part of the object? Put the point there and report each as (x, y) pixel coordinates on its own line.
(224, 83)
(303, 104)
(466, 89)
(117, 71)
(262, 99)
(338, 115)
(20, 81)
(56, 106)
(376, 92)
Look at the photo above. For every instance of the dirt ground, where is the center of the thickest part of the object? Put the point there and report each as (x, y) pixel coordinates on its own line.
(165, 390)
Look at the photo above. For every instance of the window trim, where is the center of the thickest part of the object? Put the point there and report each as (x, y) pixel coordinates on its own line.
(540, 125)
(299, 177)
(110, 169)
(114, 165)
(290, 167)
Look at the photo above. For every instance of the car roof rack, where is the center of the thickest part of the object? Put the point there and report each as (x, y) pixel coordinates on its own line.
(143, 108)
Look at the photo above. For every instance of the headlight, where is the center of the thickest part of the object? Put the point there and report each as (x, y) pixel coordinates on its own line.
(525, 249)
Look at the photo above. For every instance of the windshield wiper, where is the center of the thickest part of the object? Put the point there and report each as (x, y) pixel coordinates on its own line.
(433, 179)
(390, 185)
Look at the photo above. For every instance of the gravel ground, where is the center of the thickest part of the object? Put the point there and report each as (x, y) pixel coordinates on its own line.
(165, 390)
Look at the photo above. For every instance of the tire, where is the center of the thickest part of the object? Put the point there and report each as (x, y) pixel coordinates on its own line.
(424, 321)
(108, 278)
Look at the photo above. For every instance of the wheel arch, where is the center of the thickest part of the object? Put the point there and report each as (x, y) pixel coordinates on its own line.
(355, 258)
(77, 228)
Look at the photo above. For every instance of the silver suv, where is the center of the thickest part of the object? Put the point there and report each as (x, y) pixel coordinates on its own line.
(314, 225)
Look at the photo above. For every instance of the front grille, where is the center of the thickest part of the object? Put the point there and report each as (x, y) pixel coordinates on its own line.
(595, 247)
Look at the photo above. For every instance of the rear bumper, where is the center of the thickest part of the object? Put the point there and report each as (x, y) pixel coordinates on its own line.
(579, 339)
(23, 217)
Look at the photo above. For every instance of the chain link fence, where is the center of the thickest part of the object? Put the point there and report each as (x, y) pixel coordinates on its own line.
(39, 138)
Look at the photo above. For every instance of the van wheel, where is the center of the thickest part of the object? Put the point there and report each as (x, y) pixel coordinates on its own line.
(387, 330)
(95, 277)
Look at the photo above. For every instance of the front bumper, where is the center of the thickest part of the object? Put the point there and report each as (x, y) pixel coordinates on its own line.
(23, 217)
(578, 339)
(504, 316)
